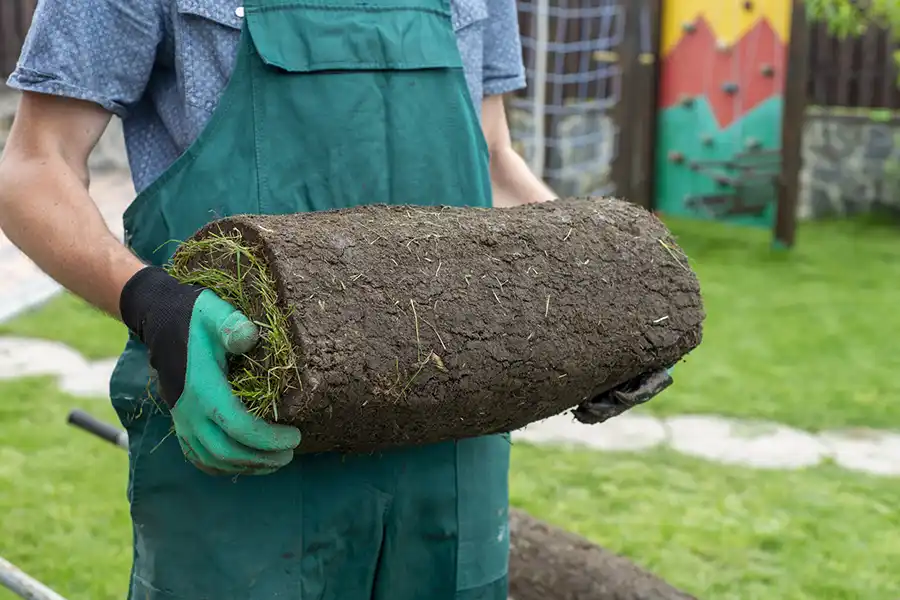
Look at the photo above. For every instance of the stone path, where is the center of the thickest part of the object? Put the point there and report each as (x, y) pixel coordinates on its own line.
(752, 444)
(759, 444)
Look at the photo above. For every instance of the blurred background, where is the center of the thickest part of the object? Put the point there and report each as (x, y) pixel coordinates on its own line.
(766, 134)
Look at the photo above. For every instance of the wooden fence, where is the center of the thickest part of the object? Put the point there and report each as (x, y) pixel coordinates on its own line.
(15, 18)
(852, 73)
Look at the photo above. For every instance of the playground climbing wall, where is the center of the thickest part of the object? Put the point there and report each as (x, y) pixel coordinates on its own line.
(722, 77)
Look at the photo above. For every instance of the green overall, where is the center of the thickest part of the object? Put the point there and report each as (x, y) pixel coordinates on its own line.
(332, 103)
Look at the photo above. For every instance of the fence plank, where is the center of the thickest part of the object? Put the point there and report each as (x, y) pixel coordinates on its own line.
(15, 19)
(890, 92)
(8, 36)
(857, 72)
(846, 78)
(871, 57)
(823, 66)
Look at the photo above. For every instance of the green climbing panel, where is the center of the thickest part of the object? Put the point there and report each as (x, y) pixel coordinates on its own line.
(708, 172)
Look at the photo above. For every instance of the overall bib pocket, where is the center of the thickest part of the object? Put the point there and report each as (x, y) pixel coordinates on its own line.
(339, 36)
(379, 69)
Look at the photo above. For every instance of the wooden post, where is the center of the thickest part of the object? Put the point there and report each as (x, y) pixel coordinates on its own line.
(624, 112)
(792, 128)
(646, 90)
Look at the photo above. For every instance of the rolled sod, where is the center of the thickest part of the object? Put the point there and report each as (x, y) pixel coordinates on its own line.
(402, 325)
(548, 563)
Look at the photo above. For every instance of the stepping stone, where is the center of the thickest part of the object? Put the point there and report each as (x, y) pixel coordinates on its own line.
(623, 433)
(92, 382)
(867, 450)
(26, 287)
(745, 443)
(23, 357)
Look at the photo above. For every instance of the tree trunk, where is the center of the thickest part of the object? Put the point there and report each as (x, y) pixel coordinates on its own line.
(421, 324)
(547, 563)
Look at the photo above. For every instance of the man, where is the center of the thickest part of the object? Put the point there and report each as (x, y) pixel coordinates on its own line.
(272, 106)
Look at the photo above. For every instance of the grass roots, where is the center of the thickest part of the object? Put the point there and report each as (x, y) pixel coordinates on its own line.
(225, 264)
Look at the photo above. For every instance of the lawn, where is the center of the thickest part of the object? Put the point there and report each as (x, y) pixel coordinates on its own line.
(806, 337)
(801, 338)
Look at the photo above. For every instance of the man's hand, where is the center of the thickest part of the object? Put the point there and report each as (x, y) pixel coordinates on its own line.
(621, 398)
(512, 181)
(189, 331)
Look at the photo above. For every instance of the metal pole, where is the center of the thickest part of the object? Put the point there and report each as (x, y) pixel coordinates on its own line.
(16, 580)
(104, 431)
(539, 108)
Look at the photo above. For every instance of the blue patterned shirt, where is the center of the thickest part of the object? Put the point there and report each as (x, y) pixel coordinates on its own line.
(161, 65)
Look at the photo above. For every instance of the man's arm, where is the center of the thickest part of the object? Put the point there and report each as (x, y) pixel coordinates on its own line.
(512, 181)
(45, 207)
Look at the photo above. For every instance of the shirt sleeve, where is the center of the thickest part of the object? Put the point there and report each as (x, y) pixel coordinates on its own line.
(504, 70)
(102, 52)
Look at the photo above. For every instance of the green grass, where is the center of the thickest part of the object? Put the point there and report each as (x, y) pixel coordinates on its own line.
(63, 508)
(723, 533)
(70, 320)
(806, 337)
(803, 337)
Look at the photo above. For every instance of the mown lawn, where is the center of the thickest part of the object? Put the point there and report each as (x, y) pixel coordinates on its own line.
(800, 337)
(806, 337)
(724, 533)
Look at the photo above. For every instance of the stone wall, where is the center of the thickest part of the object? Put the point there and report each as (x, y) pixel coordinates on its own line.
(851, 163)
(109, 154)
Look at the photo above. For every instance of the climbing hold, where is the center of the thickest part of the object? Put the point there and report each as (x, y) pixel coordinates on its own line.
(722, 45)
(706, 139)
(730, 88)
(676, 157)
(748, 5)
(751, 143)
(767, 70)
(688, 27)
(694, 166)
(686, 101)
(723, 181)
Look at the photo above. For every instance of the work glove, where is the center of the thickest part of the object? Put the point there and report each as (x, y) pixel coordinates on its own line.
(623, 397)
(189, 331)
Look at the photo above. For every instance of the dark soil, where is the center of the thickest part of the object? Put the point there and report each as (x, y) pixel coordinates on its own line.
(547, 563)
(420, 324)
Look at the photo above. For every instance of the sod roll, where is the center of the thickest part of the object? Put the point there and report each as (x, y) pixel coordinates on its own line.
(548, 563)
(386, 325)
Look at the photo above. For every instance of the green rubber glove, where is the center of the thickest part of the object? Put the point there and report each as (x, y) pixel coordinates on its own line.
(189, 332)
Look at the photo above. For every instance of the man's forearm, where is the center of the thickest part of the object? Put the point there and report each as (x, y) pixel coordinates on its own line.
(47, 212)
(513, 182)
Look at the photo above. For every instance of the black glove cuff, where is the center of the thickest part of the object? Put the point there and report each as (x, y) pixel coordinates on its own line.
(153, 290)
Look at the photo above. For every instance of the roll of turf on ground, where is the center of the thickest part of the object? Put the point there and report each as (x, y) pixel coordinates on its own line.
(386, 326)
(548, 563)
